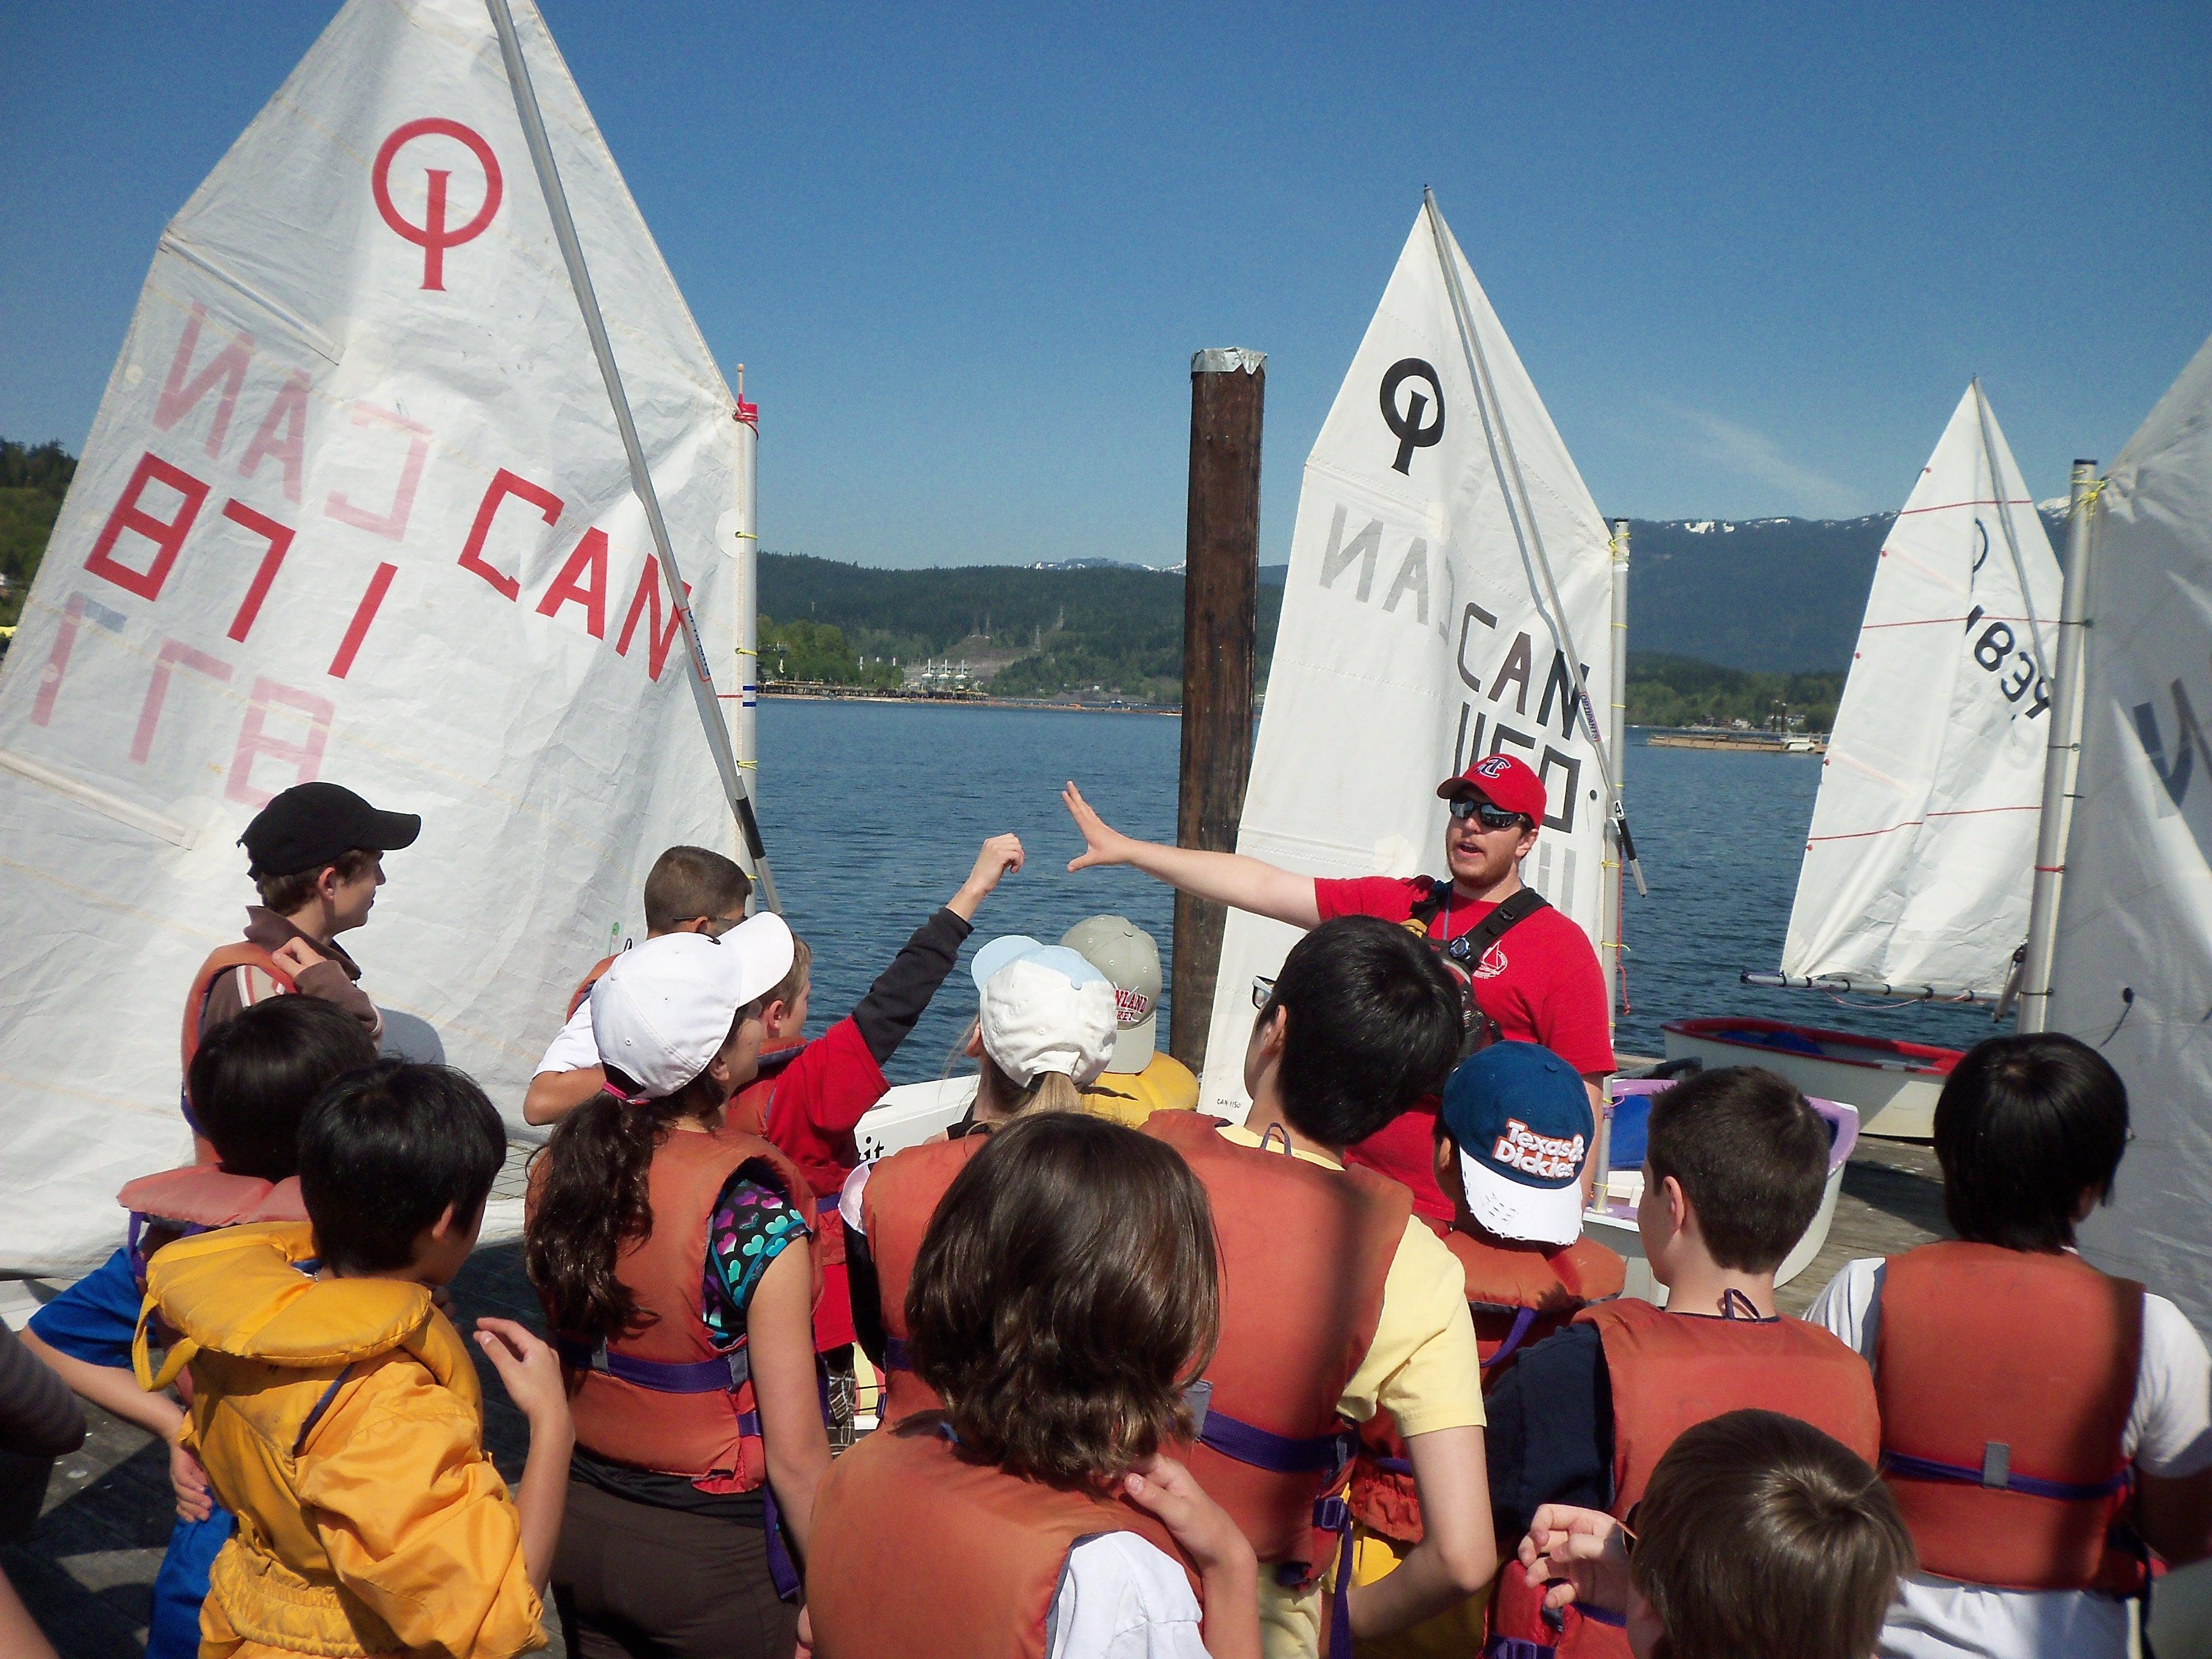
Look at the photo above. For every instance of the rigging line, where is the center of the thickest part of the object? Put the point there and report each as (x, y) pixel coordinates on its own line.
(1525, 531)
(2012, 539)
(580, 278)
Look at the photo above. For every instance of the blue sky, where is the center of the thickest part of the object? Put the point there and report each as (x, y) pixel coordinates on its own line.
(1750, 253)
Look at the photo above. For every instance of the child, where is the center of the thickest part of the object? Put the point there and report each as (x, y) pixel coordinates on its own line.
(1064, 1297)
(316, 855)
(1142, 1078)
(2034, 1411)
(254, 1078)
(1044, 1027)
(335, 1406)
(671, 1250)
(1733, 1169)
(1337, 1301)
(1760, 1537)
(1512, 1137)
(690, 890)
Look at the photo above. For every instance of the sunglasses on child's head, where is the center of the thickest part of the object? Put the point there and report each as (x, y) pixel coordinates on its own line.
(1488, 814)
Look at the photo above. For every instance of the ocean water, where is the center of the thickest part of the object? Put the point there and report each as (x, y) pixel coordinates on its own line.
(873, 814)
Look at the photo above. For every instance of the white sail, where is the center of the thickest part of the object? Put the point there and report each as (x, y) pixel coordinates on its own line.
(2132, 973)
(1923, 844)
(354, 508)
(1412, 641)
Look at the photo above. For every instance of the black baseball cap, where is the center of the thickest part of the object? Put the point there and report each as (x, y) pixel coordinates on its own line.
(313, 825)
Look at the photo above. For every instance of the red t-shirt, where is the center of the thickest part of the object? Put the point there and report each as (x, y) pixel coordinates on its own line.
(1540, 982)
(814, 1103)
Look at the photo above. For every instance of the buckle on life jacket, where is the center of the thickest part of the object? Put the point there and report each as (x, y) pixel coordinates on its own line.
(1515, 1646)
(724, 1374)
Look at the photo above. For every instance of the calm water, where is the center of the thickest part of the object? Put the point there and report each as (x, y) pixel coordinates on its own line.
(873, 814)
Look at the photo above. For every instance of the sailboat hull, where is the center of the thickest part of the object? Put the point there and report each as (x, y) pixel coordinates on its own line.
(1894, 1085)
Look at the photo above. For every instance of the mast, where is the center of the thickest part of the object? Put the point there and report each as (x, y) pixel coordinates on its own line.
(2065, 754)
(1609, 944)
(747, 697)
(1525, 533)
(580, 278)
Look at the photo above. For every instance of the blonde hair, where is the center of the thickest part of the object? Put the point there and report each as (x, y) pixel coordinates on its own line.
(1048, 1092)
(786, 990)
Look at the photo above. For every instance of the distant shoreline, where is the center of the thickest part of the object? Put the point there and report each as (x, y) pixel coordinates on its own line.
(1034, 704)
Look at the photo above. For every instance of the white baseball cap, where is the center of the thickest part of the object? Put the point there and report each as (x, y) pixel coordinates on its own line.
(1044, 1008)
(1130, 957)
(664, 1010)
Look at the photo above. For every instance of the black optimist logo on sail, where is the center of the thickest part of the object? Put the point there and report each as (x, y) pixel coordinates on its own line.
(1403, 415)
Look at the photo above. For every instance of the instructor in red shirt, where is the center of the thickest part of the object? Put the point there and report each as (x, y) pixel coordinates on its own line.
(1538, 981)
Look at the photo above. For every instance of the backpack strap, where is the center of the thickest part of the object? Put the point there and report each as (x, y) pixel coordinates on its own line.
(1503, 920)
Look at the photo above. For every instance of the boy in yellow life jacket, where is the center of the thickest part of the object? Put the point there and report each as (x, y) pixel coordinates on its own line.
(336, 1409)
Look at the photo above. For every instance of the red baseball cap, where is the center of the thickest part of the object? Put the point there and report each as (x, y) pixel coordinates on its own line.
(1501, 780)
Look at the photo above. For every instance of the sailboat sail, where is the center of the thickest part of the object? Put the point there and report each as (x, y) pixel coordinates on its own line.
(1919, 863)
(354, 508)
(2132, 972)
(1412, 641)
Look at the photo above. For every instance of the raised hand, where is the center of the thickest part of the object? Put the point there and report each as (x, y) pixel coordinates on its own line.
(1102, 842)
(1000, 856)
(1166, 1490)
(528, 1366)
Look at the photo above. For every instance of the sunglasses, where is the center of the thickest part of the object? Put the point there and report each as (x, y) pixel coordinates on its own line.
(1263, 989)
(1488, 814)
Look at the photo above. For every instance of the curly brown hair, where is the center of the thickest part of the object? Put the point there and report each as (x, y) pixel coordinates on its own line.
(1066, 1293)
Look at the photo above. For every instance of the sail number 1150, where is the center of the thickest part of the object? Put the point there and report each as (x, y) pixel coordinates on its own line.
(2014, 670)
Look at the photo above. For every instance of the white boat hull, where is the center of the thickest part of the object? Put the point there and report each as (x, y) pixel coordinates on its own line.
(1896, 1098)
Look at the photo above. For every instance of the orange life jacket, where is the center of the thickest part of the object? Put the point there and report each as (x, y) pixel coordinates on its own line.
(1670, 1372)
(219, 962)
(2005, 1379)
(197, 1198)
(1517, 1297)
(917, 1554)
(584, 985)
(670, 1398)
(1304, 1251)
(902, 1193)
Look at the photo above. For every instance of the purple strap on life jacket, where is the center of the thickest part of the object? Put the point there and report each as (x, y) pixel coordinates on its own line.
(1515, 1646)
(1278, 1454)
(1524, 1319)
(724, 1374)
(2065, 1491)
(783, 1570)
(895, 1358)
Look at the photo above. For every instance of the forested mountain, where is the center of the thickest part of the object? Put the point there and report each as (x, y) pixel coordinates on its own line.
(1727, 617)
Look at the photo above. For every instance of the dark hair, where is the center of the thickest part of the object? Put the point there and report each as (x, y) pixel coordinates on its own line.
(254, 1076)
(2026, 1125)
(1066, 1292)
(591, 1195)
(687, 883)
(384, 1151)
(1752, 1156)
(1372, 1022)
(285, 894)
(1761, 1538)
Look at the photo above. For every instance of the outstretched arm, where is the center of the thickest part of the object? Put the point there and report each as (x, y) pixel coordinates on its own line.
(1231, 878)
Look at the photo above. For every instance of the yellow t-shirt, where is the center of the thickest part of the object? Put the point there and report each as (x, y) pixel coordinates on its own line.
(1165, 1085)
(1423, 1367)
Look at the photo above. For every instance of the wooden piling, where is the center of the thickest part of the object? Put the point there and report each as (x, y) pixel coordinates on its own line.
(1221, 577)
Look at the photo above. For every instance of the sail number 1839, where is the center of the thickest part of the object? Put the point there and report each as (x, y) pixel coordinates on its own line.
(1995, 654)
